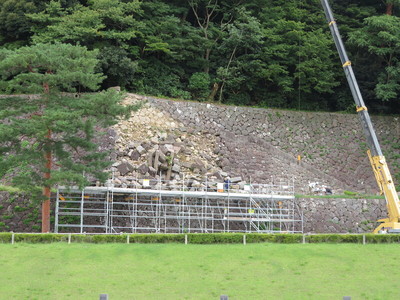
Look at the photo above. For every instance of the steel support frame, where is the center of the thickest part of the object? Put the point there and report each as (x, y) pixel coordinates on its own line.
(116, 210)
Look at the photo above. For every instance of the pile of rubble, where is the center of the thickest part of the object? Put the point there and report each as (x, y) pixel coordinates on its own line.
(152, 145)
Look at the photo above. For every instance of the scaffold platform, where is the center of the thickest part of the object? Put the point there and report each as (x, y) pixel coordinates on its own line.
(166, 207)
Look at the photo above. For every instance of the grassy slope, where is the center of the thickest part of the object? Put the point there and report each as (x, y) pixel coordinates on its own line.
(171, 271)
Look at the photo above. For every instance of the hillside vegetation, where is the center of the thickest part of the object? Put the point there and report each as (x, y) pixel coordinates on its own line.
(270, 53)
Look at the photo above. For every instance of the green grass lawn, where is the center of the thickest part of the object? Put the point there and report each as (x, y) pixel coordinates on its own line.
(174, 271)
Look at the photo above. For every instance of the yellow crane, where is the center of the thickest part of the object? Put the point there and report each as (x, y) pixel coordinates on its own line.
(391, 224)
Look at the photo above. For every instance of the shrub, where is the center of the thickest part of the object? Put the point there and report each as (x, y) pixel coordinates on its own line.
(335, 238)
(5, 237)
(102, 239)
(260, 238)
(215, 238)
(39, 238)
(382, 238)
(157, 238)
(274, 238)
(288, 238)
(81, 238)
(201, 238)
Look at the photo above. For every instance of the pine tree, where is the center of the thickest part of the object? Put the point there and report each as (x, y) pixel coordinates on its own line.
(48, 139)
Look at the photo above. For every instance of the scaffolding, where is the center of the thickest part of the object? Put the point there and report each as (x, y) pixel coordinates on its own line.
(157, 206)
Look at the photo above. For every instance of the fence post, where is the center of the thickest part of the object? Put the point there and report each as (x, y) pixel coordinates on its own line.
(364, 239)
(69, 238)
(13, 238)
(304, 238)
(186, 239)
(127, 239)
(244, 239)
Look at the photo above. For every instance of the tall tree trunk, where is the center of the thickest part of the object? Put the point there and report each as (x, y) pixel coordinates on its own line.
(46, 189)
(207, 59)
(227, 68)
(389, 9)
(213, 92)
(47, 175)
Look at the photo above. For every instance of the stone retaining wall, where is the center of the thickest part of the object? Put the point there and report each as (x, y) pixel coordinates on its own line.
(341, 215)
(332, 144)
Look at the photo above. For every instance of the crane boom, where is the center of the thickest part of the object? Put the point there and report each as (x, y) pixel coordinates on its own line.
(377, 160)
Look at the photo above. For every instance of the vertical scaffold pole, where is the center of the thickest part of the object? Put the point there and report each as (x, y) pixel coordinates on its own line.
(111, 205)
(82, 203)
(135, 210)
(107, 210)
(165, 212)
(227, 213)
(57, 211)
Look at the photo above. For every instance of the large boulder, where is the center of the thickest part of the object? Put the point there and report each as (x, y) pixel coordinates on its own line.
(124, 168)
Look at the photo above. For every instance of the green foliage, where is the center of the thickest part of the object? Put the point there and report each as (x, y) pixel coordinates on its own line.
(55, 123)
(102, 20)
(382, 238)
(7, 188)
(156, 238)
(5, 237)
(380, 37)
(107, 25)
(133, 238)
(161, 80)
(334, 238)
(36, 228)
(69, 219)
(273, 53)
(2, 226)
(216, 238)
(39, 238)
(199, 85)
(63, 67)
(19, 208)
(349, 193)
(203, 238)
(14, 24)
(274, 238)
(97, 239)
(119, 67)
(81, 238)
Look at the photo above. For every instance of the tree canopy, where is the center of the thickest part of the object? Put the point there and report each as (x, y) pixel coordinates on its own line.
(48, 139)
(271, 53)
